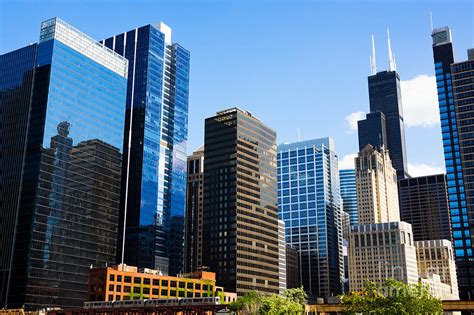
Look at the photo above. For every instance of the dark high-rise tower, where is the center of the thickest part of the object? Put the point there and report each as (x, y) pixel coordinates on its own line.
(385, 97)
(373, 131)
(240, 203)
(424, 204)
(154, 174)
(60, 165)
(451, 115)
(194, 206)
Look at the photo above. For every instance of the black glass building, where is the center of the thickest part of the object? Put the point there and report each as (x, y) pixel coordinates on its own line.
(451, 114)
(372, 130)
(424, 204)
(385, 97)
(153, 197)
(61, 124)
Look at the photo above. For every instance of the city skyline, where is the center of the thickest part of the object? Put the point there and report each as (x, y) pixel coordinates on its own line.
(309, 84)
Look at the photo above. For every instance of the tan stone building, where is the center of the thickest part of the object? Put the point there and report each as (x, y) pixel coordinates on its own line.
(380, 251)
(437, 257)
(377, 192)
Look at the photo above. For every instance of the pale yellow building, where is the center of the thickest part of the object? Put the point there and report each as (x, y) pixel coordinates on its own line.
(376, 181)
(436, 257)
(379, 251)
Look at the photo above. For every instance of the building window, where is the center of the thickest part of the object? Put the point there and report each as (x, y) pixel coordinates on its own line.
(172, 293)
(189, 294)
(111, 298)
(146, 290)
(137, 280)
(181, 293)
(136, 290)
(198, 286)
(156, 282)
(155, 291)
(128, 279)
(173, 284)
(118, 288)
(146, 281)
(119, 278)
(126, 289)
(111, 287)
(164, 292)
(164, 283)
(190, 285)
(182, 285)
(117, 298)
(112, 278)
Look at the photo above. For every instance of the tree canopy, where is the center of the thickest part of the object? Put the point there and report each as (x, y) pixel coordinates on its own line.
(292, 302)
(392, 297)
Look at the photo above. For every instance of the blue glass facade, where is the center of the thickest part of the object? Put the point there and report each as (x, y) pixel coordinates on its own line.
(66, 215)
(460, 227)
(347, 180)
(309, 202)
(157, 104)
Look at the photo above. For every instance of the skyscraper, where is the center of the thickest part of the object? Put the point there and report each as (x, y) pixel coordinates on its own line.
(309, 202)
(380, 246)
(240, 215)
(450, 126)
(373, 131)
(156, 130)
(385, 97)
(424, 203)
(194, 207)
(377, 194)
(62, 164)
(347, 181)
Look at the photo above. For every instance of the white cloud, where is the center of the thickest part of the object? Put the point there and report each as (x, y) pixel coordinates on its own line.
(420, 101)
(424, 169)
(347, 161)
(352, 120)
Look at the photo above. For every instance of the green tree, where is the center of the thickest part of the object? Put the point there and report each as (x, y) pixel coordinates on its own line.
(392, 297)
(253, 303)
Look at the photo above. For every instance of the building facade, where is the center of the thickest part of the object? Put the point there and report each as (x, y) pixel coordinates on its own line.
(461, 227)
(292, 268)
(240, 216)
(385, 97)
(309, 202)
(377, 194)
(282, 255)
(372, 130)
(437, 257)
(153, 198)
(380, 251)
(424, 203)
(61, 215)
(194, 208)
(122, 283)
(347, 181)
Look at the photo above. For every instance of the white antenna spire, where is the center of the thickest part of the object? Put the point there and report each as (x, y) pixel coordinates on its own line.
(431, 20)
(298, 135)
(373, 61)
(391, 60)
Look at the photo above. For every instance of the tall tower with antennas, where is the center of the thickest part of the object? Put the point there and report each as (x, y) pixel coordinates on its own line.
(385, 97)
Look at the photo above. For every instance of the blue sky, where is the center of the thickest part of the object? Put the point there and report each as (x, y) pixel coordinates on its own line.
(293, 64)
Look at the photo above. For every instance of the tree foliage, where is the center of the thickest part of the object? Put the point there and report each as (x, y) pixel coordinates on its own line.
(392, 297)
(255, 303)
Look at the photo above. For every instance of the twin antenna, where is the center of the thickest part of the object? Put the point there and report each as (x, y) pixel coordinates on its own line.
(392, 66)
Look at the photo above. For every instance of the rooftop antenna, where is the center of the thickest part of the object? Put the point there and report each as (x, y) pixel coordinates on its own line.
(373, 61)
(431, 20)
(391, 59)
(298, 135)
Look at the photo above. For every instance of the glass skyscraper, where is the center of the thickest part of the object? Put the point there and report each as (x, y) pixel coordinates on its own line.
(461, 227)
(309, 202)
(347, 180)
(62, 132)
(154, 174)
